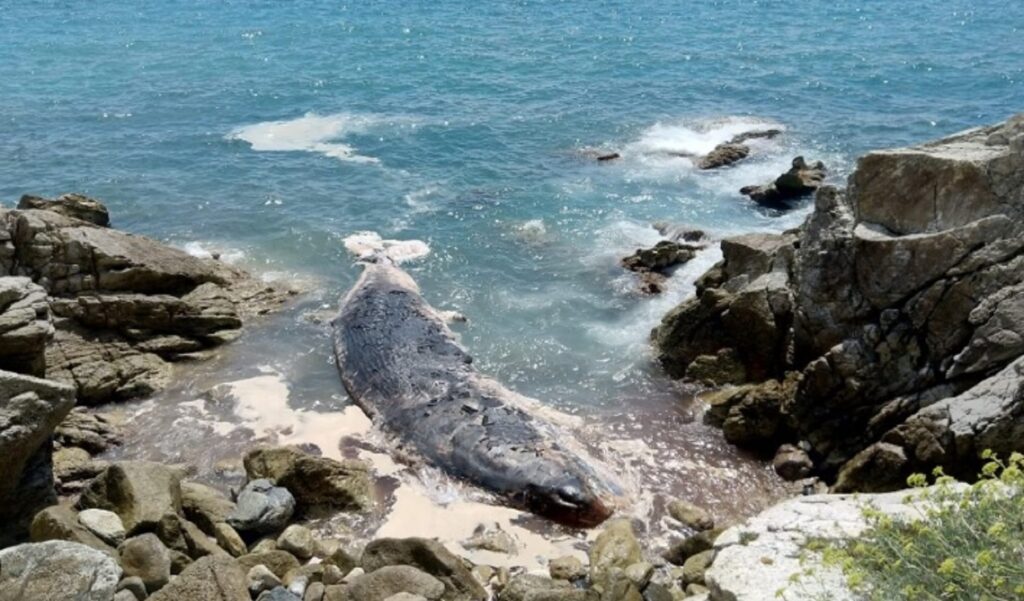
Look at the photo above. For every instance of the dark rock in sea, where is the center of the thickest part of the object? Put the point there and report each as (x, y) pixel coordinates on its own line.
(30, 409)
(762, 134)
(897, 306)
(679, 233)
(609, 157)
(661, 257)
(801, 180)
(724, 155)
(76, 206)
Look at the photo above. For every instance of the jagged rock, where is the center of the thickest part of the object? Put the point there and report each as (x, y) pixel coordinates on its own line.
(60, 522)
(690, 515)
(429, 556)
(764, 134)
(753, 415)
(491, 539)
(679, 233)
(724, 155)
(25, 326)
(124, 305)
(214, 578)
(897, 307)
(261, 579)
(692, 545)
(315, 481)
(74, 468)
(661, 257)
(141, 493)
(94, 432)
(104, 524)
(800, 181)
(229, 539)
(146, 557)
(792, 463)
(386, 581)
(262, 507)
(724, 367)
(56, 571)
(76, 206)
(30, 409)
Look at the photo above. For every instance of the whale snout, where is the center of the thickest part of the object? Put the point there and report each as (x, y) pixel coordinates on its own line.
(569, 501)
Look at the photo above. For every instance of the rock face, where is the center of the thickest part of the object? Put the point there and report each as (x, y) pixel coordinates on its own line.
(895, 315)
(801, 179)
(56, 571)
(123, 305)
(30, 408)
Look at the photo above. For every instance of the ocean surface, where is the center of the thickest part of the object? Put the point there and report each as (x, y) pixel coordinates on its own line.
(271, 131)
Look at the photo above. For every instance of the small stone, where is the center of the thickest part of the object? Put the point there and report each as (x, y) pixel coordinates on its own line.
(278, 594)
(279, 562)
(297, 540)
(342, 559)
(483, 574)
(179, 562)
(693, 589)
(104, 524)
(146, 557)
(495, 540)
(352, 575)
(408, 596)
(691, 545)
(640, 573)
(125, 596)
(692, 516)
(333, 574)
(615, 547)
(260, 579)
(314, 592)
(566, 568)
(263, 545)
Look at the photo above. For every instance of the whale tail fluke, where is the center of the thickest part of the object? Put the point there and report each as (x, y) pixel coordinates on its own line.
(369, 247)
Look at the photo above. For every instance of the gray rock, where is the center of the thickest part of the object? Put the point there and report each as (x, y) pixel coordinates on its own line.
(279, 562)
(315, 481)
(529, 587)
(205, 506)
(792, 463)
(126, 596)
(566, 568)
(801, 180)
(141, 493)
(229, 539)
(406, 597)
(213, 578)
(429, 556)
(30, 409)
(77, 206)
(134, 586)
(314, 592)
(56, 571)
(616, 547)
(495, 540)
(84, 428)
(278, 594)
(724, 155)
(386, 581)
(104, 524)
(146, 557)
(262, 507)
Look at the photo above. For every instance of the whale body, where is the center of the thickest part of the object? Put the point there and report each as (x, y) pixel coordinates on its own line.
(402, 365)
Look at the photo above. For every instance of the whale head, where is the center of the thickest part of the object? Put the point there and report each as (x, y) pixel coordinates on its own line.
(567, 499)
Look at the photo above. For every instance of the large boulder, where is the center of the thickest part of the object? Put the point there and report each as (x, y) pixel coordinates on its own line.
(213, 578)
(141, 493)
(261, 508)
(57, 571)
(61, 522)
(383, 583)
(314, 481)
(25, 326)
(30, 409)
(429, 556)
(123, 305)
(895, 314)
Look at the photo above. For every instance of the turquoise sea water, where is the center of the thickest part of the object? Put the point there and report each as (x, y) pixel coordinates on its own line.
(272, 130)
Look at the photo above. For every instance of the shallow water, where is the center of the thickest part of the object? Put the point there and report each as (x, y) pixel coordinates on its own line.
(271, 131)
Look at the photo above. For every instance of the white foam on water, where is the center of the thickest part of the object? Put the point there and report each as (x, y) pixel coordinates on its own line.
(310, 133)
(202, 251)
(366, 244)
(692, 137)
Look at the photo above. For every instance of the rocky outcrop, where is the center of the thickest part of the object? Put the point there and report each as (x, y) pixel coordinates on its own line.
(123, 306)
(896, 312)
(724, 155)
(654, 264)
(77, 206)
(801, 180)
(30, 409)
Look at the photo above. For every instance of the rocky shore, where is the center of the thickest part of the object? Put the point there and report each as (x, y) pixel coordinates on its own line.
(882, 337)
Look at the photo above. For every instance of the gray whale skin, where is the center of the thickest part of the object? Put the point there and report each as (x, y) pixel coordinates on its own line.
(401, 364)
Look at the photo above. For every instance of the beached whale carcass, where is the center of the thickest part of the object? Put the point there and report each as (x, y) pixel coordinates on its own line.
(399, 362)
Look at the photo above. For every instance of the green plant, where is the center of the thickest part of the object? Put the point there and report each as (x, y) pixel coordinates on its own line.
(962, 543)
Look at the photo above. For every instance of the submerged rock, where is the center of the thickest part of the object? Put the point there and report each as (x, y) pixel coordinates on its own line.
(724, 155)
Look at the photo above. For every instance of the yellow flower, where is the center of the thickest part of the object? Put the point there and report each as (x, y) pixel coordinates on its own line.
(947, 567)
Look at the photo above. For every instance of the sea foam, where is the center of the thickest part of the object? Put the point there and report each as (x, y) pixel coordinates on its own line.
(310, 133)
(694, 138)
